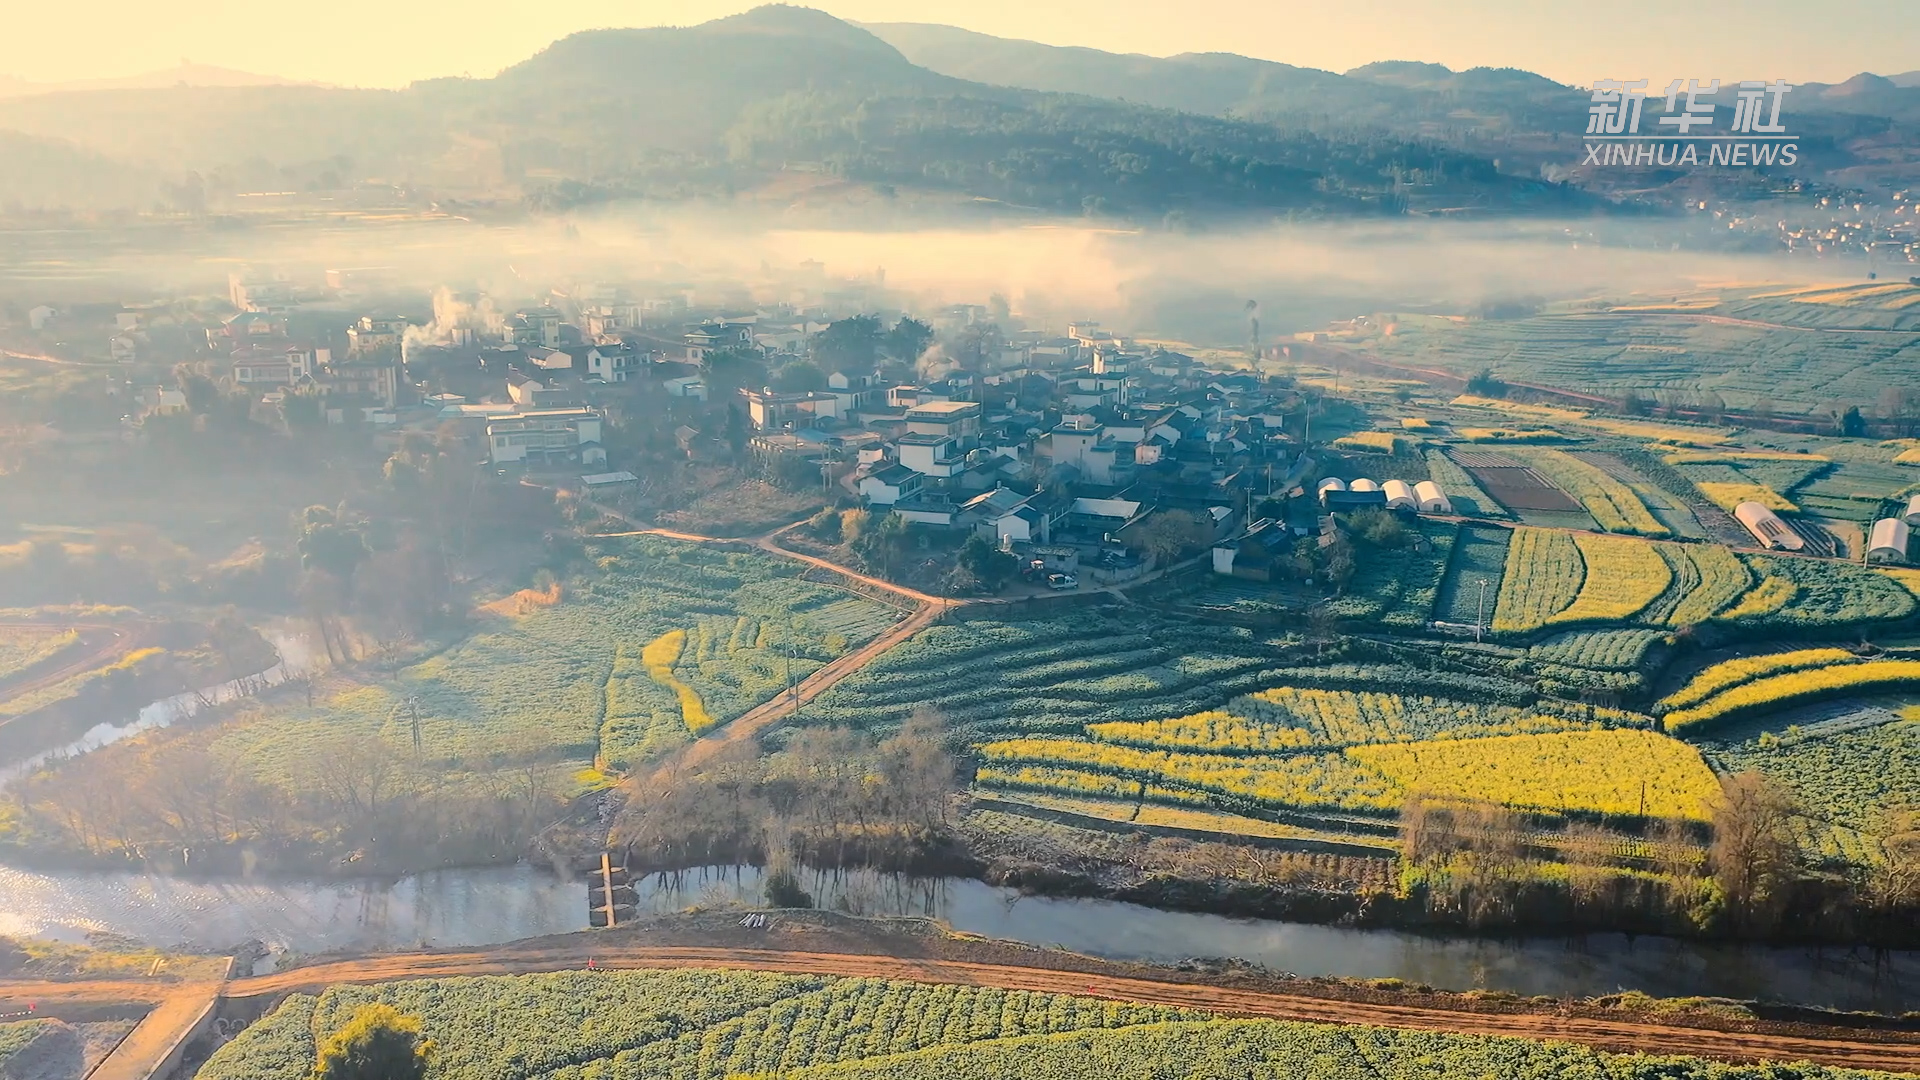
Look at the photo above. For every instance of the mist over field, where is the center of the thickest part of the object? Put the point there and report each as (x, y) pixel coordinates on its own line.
(1189, 286)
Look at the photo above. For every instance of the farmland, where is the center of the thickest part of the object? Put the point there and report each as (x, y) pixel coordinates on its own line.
(1621, 578)
(1792, 687)
(662, 640)
(1845, 770)
(1053, 676)
(1602, 771)
(22, 647)
(695, 1023)
(1611, 353)
(1544, 575)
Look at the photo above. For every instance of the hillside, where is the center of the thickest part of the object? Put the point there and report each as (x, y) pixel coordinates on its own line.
(724, 107)
(1860, 129)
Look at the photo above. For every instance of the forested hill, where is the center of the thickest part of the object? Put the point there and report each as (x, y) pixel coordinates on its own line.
(1863, 129)
(730, 107)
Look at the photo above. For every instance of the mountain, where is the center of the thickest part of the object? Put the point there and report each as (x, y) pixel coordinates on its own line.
(187, 74)
(1215, 84)
(1861, 131)
(742, 104)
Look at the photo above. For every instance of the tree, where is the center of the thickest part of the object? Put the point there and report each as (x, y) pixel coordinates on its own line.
(377, 1043)
(1378, 528)
(327, 545)
(1169, 534)
(881, 543)
(851, 344)
(825, 525)
(799, 376)
(1755, 856)
(988, 564)
(1485, 384)
(1895, 881)
(729, 371)
(1848, 422)
(908, 339)
(854, 524)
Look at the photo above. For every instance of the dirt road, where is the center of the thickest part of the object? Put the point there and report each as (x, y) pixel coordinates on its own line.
(140, 1055)
(1622, 1036)
(98, 643)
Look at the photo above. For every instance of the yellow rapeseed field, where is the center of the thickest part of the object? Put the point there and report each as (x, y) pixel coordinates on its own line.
(1727, 496)
(1731, 673)
(1544, 572)
(659, 657)
(1623, 576)
(1723, 579)
(1609, 772)
(1215, 730)
(1375, 442)
(1793, 686)
(1772, 594)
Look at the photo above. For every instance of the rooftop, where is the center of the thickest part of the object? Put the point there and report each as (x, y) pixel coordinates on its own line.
(939, 409)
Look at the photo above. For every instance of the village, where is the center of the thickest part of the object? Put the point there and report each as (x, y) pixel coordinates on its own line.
(1083, 455)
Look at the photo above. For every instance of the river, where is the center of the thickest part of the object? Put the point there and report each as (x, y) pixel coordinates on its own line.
(489, 905)
(497, 904)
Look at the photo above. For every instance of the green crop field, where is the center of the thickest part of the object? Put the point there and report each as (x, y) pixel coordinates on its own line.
(1398, 587)
(1845, 769)
(1478, 555)
(712, 1025)
(572, 674)
(1054, 675)
(1796, 371)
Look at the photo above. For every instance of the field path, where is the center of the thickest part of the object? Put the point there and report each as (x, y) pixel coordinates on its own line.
(1854, 1050)
(758, 720)
(100, 642)
(140, 1055)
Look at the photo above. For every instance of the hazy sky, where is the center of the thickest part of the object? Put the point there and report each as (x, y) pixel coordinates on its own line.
(392, 42)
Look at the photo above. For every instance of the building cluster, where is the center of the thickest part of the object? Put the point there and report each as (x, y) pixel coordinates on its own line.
(1061, 449)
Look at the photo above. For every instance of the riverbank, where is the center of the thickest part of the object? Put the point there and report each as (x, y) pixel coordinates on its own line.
(832, 944)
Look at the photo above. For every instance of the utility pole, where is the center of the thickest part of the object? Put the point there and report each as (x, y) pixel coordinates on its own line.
(793, 688)
(1480, 612)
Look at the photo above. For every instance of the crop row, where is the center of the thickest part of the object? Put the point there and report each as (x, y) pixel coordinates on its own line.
(708, 1025)
(1615, 772)
(690, 1023)
(1613, 504)
(1543, 576)
(1731, 673)
(1599, 650)
(1622, 576)
(1795, 687)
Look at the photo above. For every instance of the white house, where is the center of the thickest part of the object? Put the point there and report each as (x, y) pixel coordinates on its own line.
(890, 484)
(1888, 543)
(686, 386)
(546, 437)
(611, 363)
(1912, 516)
(1399, 495)
(934, 455)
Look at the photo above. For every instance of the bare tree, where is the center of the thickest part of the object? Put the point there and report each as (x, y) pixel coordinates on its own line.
(1894, 884)
(1755, 856)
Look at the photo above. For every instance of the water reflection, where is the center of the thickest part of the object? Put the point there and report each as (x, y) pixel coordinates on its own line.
(295, 659)
(498, 904)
